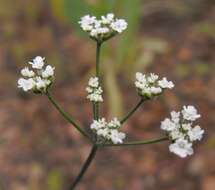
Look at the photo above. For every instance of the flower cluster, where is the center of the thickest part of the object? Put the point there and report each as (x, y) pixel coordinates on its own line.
(149, 86)
(103, 28)
(180, 131)
(108, 131)
(38, 78)
(94, 90)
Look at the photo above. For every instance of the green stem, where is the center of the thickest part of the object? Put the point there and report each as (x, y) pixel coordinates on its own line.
(134, 143)
(132, 111)
(94, 111)
(67, 116)
(85, 167)
(98, 52)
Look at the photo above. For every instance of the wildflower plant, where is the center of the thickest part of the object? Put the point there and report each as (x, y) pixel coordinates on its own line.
(179, 129)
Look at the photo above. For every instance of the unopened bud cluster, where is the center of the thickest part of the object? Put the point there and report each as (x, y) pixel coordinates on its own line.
(180, 130)
(38, 78)
(149, 86)
(109, 131)
(103, 28)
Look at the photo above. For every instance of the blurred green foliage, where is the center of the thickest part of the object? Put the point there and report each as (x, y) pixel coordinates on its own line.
(54, 180)
(206, 28)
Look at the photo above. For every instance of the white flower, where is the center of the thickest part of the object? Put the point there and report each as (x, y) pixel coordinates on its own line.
(175, 116)
(39, 79)
(190, 113)
(108, 18)
(119, 25)
(108, 131)
(152, 78)
(196, 133)
(103, 132)
(117, 137)
(96, 125)
(87, 22)
(89, 89)
(94, 82)
(48, 72)
(181, 132)
(181, 147)
(148, 86)
(95, 97)
(155, 90)
(168, 125)
(94, 90)
(97, 24)
(104, 28)
(27, 73)
(164, 83)
(141, 77)
(40, 83)
(38, 62)
(141, 81)
(114, 123)
(94, 33)
(26, 84)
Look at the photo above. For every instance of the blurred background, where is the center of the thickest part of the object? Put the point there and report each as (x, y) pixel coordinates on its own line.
(39, 150)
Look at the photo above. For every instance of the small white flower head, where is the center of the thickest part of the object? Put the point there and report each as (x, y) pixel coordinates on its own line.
(108, 19)
(37, 79)
(38, 62)
(108, 131)
(94, 82)
(196, 133)
(175, 116)
(104, 28)
(117, 137)
(27, 73)
(48, 72)
(168, 125)
(100, 124)
(181, 147)
(114, 123)
(94, 90)
(26, 84)
(119, 25)
(87, 22)
(149, 86)
(190, 113)
(164, 83)
(180, 131)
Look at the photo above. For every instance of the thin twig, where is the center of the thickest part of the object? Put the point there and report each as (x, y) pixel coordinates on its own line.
(134, 143)
(67, 116)
(132, 111)
(98, 52)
